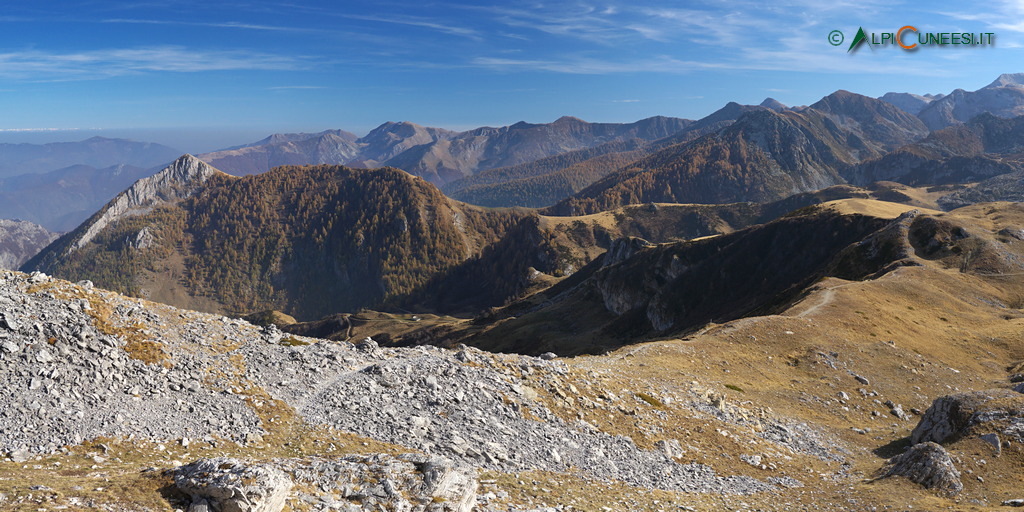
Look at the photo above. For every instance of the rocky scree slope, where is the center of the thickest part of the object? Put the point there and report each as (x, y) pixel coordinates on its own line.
(84, 363)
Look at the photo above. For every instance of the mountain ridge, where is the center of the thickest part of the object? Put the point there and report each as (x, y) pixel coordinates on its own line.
(436, 154)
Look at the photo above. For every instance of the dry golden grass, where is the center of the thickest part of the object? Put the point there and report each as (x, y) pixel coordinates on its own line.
(872, 207)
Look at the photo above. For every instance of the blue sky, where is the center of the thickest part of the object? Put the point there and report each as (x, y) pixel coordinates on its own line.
(201, 75)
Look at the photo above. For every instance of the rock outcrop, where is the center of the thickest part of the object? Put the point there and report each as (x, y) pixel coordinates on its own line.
(351, 483)
(622, 249)
(927, 464)
(953, 416)
(229, 485)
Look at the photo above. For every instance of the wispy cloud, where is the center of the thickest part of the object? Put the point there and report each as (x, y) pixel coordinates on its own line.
(625, 101)
(727, 35)
(349, 36)
(444, 28)
(591, 66)
(1006, 15)
(45, 66)
(295, 87)
(27, 130)
(224, 24)
(784, 58)
(580, 21)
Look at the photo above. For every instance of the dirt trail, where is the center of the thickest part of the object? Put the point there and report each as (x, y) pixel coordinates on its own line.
(824, 298)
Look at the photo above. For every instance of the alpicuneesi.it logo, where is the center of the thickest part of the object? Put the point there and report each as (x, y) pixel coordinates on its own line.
(910, 38)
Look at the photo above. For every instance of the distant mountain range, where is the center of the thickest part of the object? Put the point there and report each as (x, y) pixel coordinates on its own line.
(97, 152)
(763, 156)
(546, 181)
(60, 200)
(439, 156)
(1004, 97)
(59, 185)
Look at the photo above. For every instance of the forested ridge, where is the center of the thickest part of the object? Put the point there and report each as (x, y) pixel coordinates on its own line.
(309, 240)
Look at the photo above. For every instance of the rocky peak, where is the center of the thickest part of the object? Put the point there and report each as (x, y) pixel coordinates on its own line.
(773, 104)
(175, 182)
(730, 112)
(1007, 80)
(843, 102)
(391, 139)
(568, 120)
(871, 118)
(402, 128)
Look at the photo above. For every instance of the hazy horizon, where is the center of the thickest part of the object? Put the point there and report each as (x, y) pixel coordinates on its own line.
(197, 140)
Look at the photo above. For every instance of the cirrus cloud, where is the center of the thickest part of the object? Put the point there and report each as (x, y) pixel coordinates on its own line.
(39, 65)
